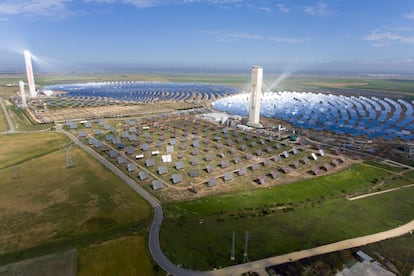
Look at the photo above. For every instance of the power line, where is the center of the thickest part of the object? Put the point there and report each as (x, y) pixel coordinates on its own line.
(69, 161)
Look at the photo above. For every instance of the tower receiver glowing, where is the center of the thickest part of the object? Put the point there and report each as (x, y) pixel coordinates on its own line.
(256, 91)
(29, 72)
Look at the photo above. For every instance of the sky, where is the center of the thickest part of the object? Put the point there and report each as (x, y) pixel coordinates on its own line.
(280, 35)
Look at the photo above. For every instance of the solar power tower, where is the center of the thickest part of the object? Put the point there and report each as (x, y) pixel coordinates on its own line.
(255, 93)
(23, 94)
(29, 72)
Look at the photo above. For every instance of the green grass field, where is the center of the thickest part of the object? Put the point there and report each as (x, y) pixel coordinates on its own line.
(356, 179)
(123, 256)
(46, 207)
(302, 215)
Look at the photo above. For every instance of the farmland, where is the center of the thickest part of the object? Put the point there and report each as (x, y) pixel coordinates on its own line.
(45, 206)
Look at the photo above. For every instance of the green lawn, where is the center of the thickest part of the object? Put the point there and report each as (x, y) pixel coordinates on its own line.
(198, 233)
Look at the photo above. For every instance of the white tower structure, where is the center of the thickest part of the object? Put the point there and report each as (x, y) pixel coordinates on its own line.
(256, 91)
(23, 94)
(29, 72)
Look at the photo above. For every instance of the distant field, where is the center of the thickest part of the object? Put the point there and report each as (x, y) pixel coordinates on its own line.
(124, 256)
(292, 82)
(281, 219)
(45, 207)
(394, 86)
(6, 92)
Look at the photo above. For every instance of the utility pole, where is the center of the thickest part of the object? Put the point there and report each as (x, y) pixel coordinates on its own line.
(246, 244)
(233, 243)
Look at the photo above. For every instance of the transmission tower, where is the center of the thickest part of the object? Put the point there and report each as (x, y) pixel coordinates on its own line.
(233, 243)
(69, 161)
(246, 243)
(15, 173)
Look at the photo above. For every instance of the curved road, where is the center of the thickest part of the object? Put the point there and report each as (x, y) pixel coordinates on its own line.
(167, 265)
(154, 242)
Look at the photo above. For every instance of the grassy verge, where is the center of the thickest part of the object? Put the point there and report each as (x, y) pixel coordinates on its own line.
(198, 233)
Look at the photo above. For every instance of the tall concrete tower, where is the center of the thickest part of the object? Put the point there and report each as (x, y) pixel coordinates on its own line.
(23, 94)
(256, 91)
(29, 72)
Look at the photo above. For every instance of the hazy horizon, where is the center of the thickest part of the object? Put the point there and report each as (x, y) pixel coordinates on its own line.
(281, 36)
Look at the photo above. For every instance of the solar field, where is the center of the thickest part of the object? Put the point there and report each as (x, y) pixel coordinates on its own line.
(368, 116)
(181, 156)
(372, 117)
(142, 91)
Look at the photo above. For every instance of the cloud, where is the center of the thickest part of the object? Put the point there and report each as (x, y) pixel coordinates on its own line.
(384, 37)
(290, 40)
(35, 7)
(225, 36)
(263, 9)
(155, 3)
(409, 15)
(282, 8)
(319, 8)
(236, 36)
(136, 3)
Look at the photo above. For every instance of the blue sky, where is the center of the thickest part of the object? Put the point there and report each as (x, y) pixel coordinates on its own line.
(285, 35)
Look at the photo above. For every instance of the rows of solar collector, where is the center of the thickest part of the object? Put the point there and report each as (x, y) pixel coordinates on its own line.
(146, 92)
(216, 151)
(356, 115)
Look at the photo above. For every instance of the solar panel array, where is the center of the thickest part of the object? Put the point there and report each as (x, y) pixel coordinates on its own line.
(372, 117)
(223, 165)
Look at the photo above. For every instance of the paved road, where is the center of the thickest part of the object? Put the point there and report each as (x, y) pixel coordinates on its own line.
(381, 192)
(337, 246)
(154, 243)
(8, 119)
